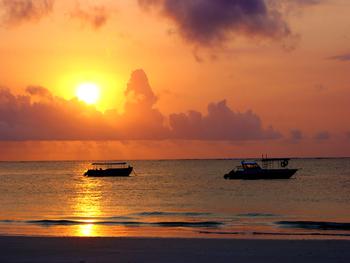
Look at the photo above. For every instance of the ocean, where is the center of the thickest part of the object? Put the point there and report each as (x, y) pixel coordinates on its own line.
(175, 198)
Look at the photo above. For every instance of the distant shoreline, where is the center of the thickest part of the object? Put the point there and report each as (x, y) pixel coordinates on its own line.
(75, 249)
(183, 159)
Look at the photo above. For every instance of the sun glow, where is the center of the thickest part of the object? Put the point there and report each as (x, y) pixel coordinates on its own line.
(87, 230)
(88, 92)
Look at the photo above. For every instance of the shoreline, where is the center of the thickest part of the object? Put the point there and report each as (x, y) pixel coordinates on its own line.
(138, 249)
(174, 159)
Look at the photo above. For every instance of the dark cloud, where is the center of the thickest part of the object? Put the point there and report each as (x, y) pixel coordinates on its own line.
(343, 57)
(18, 11)
(220, 123)
(38, 115)
(207, 22)
(322, 136)
(95, 16)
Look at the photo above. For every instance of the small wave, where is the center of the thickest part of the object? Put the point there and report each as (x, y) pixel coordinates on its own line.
(315, 225)
(257, 215)
(7, 221)
(189, 224)
(302, 234)
(158, 213)
(274, 233)
(55, 222)
(46, 222)
(98, 218)
(220, 232)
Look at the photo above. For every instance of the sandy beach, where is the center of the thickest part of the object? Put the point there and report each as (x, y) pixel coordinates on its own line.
(73, 249)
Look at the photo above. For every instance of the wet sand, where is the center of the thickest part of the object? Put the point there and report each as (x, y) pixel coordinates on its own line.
(75, 249)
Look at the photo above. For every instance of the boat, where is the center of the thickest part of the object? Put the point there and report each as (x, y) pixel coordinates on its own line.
(121, 169)
(272, 168)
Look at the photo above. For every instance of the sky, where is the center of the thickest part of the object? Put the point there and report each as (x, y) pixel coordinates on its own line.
(176, 79)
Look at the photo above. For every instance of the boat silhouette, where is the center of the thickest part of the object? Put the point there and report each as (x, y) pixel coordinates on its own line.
(272, 168)
(121, 169)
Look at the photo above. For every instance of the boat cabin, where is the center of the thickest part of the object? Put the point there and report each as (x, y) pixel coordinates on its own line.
(250, 165)
(277, 163)
(109, 169)
(272, 168)
(267, 163)
(112, 165)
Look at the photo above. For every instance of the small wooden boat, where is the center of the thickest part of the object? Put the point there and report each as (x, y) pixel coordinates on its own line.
(109, 169)
(250, 170)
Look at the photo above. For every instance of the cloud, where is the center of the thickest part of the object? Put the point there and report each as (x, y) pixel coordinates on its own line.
(220, 123)
(308, 2)
(139, 90)
(296, 135)
(39, 91)
(15, 12)
(38, 115)
(208, 22)
(141, 120)
(287, 4)
(320, 87)
(24, 118)
(343, 57)
(322, 136)
(94, 16)
(347, 134)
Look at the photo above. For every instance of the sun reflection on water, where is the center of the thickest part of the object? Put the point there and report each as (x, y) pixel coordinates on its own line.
(87, 203)
(87, 206)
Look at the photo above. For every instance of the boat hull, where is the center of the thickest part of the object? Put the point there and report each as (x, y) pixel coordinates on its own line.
(261, 174)
(110, 172)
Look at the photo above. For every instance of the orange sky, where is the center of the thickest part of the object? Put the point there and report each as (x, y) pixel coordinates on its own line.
(287, 63)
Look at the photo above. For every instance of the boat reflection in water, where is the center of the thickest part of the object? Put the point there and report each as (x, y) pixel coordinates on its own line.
(109, 169)
(272, 168)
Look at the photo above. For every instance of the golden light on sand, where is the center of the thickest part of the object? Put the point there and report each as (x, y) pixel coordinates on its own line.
(88, 92)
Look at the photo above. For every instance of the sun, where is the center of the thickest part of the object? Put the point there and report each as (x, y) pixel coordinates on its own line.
(88, 92)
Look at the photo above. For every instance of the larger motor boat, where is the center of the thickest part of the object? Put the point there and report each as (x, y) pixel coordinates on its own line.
(272, 168)
(109, 169)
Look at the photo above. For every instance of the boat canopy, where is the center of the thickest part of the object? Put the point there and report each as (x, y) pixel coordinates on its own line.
(118, 163)
(250, 165)
(248, 162)
(274, 159)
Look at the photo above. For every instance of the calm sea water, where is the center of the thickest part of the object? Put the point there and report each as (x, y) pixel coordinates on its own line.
(179, 198)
